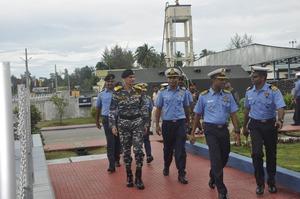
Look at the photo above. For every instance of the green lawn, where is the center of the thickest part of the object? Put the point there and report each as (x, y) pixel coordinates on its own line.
(67, 154)
(287, 154)
(65, 122)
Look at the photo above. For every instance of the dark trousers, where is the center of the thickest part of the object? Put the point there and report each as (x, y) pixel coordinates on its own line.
(147, 144)
(297, 111)
(113, 143)
(218, 141)
(174, 137)
(263, 133)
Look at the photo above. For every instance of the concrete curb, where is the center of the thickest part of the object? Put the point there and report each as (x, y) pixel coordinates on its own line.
(284, 177)
(55, 128)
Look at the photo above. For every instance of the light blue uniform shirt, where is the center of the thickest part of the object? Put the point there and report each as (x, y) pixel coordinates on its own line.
(172, 102)
(263, 103)
(297, 89)
(103, 101)
(215, 107)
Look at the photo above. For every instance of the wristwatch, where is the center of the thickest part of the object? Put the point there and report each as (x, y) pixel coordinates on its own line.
(280, 120)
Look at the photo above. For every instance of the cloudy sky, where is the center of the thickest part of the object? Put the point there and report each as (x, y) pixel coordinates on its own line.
(74, 33)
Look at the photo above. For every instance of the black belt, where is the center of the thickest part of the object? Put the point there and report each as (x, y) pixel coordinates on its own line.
(263, 121)
(219, 126)
(129, 117)
(174, 121)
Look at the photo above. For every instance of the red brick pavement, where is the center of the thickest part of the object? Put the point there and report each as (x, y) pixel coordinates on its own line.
(90, 180)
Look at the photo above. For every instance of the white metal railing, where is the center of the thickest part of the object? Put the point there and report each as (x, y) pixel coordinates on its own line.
(7, 155)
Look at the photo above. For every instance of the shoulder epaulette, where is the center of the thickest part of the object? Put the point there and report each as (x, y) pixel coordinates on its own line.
(274, 88)
(163, 88)
(137, 87)
(226, 91)
(118, 88)
(250, 87)
(204, 92)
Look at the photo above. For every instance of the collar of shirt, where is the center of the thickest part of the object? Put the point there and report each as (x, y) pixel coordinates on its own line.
(264, 88)
(169, 88)
(211, 90)
(107, 90)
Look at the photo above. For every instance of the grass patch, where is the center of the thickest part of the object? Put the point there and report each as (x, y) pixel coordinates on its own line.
(59, 154)
(52, 155)
(287, 154)
(65, 122)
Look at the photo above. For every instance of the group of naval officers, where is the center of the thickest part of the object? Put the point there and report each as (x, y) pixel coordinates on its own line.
(125, 114)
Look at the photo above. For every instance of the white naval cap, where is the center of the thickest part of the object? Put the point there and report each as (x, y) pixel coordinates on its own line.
(298, 74)
(259, 69)
(218, 73)
(173, 72)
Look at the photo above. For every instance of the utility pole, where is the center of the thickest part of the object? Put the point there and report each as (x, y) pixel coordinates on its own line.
(27, 71)
(55, 80)
(69, 86)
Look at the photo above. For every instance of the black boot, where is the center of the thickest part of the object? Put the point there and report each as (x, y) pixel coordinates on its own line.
(138, 178)
(129, 177)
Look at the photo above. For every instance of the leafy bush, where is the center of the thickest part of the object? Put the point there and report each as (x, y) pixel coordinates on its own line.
(93, 112)
(35, 115)
(288, 99)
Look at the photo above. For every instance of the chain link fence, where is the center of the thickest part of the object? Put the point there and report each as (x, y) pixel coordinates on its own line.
(25, 178)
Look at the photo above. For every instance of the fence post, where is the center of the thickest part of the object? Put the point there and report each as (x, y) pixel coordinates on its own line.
(7, 153)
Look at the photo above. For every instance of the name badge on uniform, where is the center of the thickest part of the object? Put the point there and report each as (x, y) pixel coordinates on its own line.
(267, 94)
(226, 99)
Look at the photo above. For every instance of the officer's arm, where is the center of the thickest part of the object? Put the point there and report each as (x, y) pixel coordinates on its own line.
(196, 123)
(157, 115)
(235, 122)
(187, 115)
(246, 120)
(98, 110)
(113, 111)
(280, 117)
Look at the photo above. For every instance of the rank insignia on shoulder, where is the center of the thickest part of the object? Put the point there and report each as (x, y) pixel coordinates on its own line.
(226, 91)
(118, 88)
(204, 92)
(250, 87)
(274, 88)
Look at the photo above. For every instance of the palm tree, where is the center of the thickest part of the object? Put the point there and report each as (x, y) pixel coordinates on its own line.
(145, 56)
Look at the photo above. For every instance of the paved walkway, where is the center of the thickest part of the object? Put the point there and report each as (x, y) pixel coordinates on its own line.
(90, 180)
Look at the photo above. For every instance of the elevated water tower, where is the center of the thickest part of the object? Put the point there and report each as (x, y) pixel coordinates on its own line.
(179, 15)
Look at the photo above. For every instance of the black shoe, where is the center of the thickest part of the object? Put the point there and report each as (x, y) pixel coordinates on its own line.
(117, 164)
(138, 179)
(211, 183)
(260, 190)
(111, 170)
(223, 196)
(166, 171)
(149, 159)
(272, 189)
(296, 124)
(182, 179)
(129, 178)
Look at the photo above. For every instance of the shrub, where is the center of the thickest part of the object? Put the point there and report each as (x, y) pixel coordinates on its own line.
(93, 112)
(35, 117)
(289, 101)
